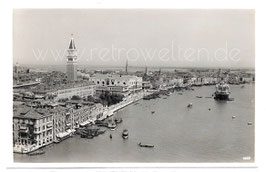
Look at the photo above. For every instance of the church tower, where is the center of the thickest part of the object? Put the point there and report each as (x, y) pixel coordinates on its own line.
(71, 68)
(126, 67)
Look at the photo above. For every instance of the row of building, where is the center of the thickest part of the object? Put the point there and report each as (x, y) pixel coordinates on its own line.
(41, 124)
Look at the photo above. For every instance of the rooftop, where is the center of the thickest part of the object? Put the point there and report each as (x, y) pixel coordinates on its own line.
(116, 77)
(29, 113)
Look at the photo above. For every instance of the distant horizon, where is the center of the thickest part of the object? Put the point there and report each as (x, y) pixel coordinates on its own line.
(130, 66)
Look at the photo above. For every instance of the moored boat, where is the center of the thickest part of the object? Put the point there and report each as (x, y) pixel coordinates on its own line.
(222, 91)
(118, 120)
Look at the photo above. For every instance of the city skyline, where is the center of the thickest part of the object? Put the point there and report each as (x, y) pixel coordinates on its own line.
(100, 34)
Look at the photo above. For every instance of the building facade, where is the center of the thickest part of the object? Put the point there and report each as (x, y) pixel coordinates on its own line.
(32, 129)
(81, 91)
(118, 84)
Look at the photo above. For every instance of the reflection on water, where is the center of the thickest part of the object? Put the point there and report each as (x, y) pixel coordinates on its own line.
(204, 133)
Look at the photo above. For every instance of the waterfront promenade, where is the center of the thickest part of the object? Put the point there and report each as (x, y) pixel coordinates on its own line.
(109, 111)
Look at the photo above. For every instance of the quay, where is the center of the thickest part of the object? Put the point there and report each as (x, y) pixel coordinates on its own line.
(109, 111)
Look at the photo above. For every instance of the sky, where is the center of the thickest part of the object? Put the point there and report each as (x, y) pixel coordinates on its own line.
(144, 37)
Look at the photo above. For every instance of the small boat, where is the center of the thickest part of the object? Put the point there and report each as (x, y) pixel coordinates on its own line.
(180, 93)
(112, 126)
(118, 120)
(209, 109)
(89, 137)
(125, 134)
(242, 86)
(199, 96)
(56, 141)
(111, 136)
(249, 123)
(233, 117)
(230, 99)
(38, 152)
(113, 129)
(145, 145)
(152, 112)
(164, 97)
(189, 105)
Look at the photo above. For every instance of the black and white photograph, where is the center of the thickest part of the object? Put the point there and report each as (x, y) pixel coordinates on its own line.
(132, 85)
(130, 89)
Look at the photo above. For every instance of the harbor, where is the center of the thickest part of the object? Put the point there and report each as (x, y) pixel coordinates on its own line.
(209, 131)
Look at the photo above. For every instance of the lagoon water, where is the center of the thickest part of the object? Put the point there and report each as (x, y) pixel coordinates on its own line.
(179, 134)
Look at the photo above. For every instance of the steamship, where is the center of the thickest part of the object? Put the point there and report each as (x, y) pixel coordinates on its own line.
(222, 91)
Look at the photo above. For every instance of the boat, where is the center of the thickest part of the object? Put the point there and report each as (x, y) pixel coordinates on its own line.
(242, 86)
(38, 152)
(113, 129)
(199, 96)
(152, 112)
(233, 117)
(249, 123)
(180, 93)
(118, 120)
(145, 145)
(222, 91)
(125, 134)
(189, 105)
(111, 136)
(89, 137)
(112, 126)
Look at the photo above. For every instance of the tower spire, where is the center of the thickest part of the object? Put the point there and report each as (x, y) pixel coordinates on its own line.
(72, 43)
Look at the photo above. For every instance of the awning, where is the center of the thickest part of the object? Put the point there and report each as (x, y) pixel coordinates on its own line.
(23, 127)
(68, 130)
(84, 123)
(49, 125)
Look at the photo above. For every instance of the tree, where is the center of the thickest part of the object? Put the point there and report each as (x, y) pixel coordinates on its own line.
(109, 99)
(75, 97)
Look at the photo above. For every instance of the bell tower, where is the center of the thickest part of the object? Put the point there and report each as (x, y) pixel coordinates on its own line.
(71, 68)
